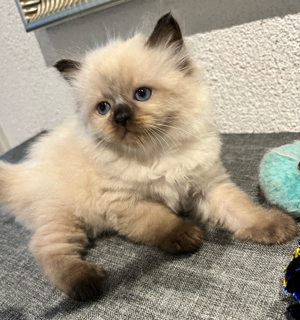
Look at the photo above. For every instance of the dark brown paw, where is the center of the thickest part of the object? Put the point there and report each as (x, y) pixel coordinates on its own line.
(274, 228)
(184, 238)
(84, 281)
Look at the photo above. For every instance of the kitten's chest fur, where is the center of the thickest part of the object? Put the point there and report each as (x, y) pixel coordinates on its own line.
(172, 191)
(167, 187)
(171, 180)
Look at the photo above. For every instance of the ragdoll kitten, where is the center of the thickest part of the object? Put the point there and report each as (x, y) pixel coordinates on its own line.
(141, 148)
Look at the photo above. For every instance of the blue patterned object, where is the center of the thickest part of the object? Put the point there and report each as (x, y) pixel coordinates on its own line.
(280, 177)
(291, 283)
(294, 311)
(296, 297)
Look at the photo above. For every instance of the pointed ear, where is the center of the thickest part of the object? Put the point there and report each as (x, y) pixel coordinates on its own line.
(68, 68)
(166, 32)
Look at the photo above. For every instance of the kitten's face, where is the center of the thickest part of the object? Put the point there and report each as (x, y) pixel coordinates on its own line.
(134, 94)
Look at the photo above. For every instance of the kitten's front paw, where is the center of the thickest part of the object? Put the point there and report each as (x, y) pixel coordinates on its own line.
(185, 238)
(84, 281)
(274, 227)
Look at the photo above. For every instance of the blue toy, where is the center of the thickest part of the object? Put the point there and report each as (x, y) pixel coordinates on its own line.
(291, 284)
(279, 177)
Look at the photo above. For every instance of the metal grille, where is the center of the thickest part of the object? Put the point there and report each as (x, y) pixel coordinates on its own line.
(41, 13)
(36, 9)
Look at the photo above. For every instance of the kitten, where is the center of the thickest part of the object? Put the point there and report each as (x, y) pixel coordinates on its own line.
(141, 148)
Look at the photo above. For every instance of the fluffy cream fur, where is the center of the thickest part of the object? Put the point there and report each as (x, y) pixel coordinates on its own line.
(92, 175)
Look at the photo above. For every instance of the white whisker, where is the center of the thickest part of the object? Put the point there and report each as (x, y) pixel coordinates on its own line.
(177, 128)
(164, 132)
(155, 136)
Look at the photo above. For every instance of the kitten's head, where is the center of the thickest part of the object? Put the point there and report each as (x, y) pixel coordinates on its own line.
(139, 95)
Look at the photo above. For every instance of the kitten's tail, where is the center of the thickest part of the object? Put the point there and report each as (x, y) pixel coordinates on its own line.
(3, 183)
(12, 182)
(6, 181)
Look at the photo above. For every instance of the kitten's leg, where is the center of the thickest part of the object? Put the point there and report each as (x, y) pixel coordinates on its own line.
(228, 205)
(57, 245)
(155, 225)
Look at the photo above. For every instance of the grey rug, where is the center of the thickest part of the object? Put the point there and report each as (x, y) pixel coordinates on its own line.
(226, 280)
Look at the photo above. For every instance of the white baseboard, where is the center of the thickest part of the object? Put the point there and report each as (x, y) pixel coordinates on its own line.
(4, 144)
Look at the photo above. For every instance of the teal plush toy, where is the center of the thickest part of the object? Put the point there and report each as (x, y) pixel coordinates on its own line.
(279, 177)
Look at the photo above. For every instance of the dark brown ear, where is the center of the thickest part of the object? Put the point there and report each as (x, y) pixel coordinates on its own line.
(166, 32)
(68, 68)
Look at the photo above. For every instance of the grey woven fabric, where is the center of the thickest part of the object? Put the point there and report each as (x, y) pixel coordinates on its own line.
(226, 280)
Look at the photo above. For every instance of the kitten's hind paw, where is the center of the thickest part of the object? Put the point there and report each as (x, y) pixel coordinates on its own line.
(84, 281)
(186, 237)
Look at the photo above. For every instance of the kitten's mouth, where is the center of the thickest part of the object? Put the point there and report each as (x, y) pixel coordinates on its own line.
(133, 137)
(129, 134)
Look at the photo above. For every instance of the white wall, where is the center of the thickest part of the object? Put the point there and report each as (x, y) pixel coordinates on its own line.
(249, 50)
(253, 72)
(32, 96)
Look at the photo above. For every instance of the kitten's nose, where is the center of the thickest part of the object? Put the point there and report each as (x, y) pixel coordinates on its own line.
(121, 118)
(121, 115)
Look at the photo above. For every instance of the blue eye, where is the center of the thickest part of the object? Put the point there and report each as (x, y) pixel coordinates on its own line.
(142, 94)
(103, 107)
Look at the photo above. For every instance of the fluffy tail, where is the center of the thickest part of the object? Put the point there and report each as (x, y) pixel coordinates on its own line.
(14, 189)
(4, 181)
